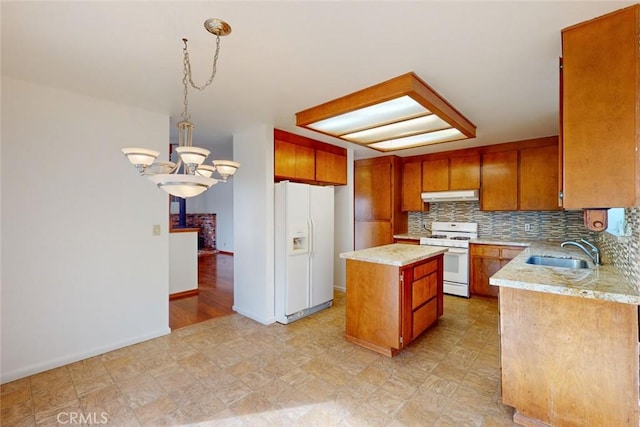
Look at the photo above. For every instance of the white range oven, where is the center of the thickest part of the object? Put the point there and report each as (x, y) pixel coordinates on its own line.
(455, 236)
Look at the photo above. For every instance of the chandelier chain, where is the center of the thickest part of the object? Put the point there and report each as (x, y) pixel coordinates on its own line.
(187, 64)
(185, 71)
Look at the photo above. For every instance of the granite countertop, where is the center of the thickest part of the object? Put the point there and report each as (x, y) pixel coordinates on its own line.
(604, 282)
(397, 254)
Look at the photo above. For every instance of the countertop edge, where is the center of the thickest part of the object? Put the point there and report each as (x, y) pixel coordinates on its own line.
(604, 282)
(380, 254)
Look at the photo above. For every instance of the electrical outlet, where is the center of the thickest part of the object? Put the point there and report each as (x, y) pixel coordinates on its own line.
(527, 227)
(156, 229)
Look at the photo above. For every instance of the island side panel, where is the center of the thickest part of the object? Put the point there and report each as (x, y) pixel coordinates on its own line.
(569, 360)
(373, 306)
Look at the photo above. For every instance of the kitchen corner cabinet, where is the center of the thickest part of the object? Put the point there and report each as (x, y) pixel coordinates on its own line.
(568, 361)
(484, 262)
(389, 306)
(377, 201)
(301, 159)
(600, 110)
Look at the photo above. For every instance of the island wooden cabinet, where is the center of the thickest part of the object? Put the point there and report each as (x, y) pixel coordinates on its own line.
(600, 110)
(567, 360)
(377, 201)
(389, 306)
(484, 262)
(301, 159)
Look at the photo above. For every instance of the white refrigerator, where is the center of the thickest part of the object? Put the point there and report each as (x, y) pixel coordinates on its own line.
(303, 250)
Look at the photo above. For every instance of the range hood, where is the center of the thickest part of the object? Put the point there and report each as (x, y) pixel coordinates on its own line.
(450, 196)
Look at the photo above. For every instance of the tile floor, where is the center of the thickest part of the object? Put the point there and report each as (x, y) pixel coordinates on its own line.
(233, 371)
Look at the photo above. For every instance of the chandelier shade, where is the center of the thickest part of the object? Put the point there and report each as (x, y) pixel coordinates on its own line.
(226, 168)
(188, 177)
(183, 185)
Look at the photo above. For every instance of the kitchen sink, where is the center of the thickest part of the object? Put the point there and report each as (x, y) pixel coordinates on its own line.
(557, 262)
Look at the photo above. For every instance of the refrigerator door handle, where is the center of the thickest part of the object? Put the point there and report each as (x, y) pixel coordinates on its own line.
(312, 229)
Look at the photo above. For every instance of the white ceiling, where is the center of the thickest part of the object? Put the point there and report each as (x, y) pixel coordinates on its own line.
(496, 62)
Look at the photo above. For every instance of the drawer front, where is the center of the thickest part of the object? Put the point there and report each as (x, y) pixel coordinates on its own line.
(423, 290)
(424, 269)
(486, 250)
(510, 253)
(424, 317)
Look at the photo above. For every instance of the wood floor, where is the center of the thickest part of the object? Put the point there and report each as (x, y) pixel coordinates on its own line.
(215, 299)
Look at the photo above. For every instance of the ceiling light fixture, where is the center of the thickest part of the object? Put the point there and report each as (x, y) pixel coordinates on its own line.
(189, 176)
(400, 113)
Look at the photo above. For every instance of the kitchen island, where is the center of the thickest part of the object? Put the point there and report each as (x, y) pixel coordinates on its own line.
(394, 293)
(568, 342)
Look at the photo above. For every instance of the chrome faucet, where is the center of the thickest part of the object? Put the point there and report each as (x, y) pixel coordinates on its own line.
(594, 253)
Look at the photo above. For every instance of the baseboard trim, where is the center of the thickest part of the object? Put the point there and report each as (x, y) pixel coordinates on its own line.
(36, 368)
(184, 294)
(259, 319)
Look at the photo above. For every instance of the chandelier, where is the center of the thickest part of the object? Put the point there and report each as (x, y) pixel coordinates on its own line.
(189, 176)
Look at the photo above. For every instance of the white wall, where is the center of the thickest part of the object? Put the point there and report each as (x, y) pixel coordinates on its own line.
(81, 271)
(218, 199)
(253, 224)
(343, 238)
(183, 261)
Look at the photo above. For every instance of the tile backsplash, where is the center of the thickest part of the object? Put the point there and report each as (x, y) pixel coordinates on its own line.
(623, 252)
(544, 225)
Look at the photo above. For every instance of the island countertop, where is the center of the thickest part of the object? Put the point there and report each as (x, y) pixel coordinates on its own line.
(604, 282)
(397, 254)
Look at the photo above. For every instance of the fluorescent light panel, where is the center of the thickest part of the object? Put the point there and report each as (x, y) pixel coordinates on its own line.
(415, 126)
(386, 112)
(402, 112)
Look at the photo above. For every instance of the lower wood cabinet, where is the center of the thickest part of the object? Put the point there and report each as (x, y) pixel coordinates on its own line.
(567, 360)
(389, 306)
(485, 261)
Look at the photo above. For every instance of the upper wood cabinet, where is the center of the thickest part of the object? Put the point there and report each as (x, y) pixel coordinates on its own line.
(377, 201)
(523, 178)
(601, 111)
(301, 159)
(412, 187)
(294, 161)
(460, 172)
(435, 175)
(538, 182)
(464, 172)
(331, 167)
(499, 190)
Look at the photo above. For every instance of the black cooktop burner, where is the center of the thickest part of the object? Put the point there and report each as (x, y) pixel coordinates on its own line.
(437, 236)
(461, 238)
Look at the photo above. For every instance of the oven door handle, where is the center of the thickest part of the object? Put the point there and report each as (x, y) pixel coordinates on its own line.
(458, 251)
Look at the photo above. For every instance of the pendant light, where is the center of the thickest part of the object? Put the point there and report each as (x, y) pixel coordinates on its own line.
(190, 176)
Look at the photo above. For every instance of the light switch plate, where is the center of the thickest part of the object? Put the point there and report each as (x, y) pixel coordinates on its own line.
(156, 229)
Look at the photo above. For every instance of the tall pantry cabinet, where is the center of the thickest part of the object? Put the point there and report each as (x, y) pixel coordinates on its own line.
(600, 110)
(377, 203)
